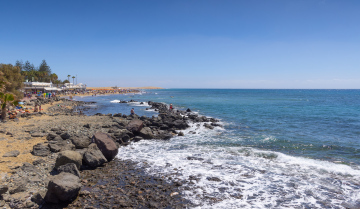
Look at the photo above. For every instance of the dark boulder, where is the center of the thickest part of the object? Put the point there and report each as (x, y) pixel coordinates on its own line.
(188, 110)
(135, 125)
(106, 145)
(69, 168)
(125, 138)
(146, 133)
(3, 189)
(41, 150)
(81, 142)
(54, 147)
(68, 156)
(94, 157)
(63, 188)
(65, 135)
(51, 136)
(180, 124)
(208, 126)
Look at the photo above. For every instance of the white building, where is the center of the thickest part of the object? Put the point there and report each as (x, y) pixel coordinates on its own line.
(40, 87)
(79, 86)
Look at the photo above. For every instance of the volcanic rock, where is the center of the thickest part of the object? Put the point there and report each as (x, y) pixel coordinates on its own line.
(68, 156)
(106, 145)
(63, 188)
(94, 157)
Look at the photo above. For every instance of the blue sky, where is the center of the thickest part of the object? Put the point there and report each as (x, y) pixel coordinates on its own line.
(188, 44)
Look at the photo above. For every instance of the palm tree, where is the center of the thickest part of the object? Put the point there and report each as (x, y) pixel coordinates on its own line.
(73, 79)
(69, 78)
(5, 100)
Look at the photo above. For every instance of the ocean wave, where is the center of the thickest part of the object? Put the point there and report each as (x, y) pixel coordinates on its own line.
(231, 177)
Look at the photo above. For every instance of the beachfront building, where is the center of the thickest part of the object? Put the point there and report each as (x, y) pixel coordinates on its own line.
(71, 86)
(40, 87)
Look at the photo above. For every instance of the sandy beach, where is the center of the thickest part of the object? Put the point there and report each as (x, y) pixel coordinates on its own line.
(17, 140)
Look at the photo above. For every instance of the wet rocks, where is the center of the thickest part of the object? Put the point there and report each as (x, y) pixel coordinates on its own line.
(121, 184)
(146, 133)
(68, 156)
(106, 145)
(41, 150)
(63, 187)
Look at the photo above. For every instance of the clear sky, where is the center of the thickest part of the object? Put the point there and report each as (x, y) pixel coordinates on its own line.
(188, 44)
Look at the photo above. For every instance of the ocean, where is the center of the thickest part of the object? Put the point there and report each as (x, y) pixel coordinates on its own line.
(276, 149)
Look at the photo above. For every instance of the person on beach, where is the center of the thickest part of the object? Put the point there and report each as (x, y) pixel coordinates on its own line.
(36, 108)
(39, 107)
(132, 111)
(171, 107)
(12, 115)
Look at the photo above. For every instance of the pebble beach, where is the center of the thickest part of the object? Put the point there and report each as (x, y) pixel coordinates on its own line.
(32, 145)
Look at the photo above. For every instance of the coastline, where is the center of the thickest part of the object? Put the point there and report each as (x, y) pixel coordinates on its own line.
(41, 129)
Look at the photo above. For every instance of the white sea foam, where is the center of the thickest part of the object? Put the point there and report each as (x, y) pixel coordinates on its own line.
(144, 104)
(115, 101)
(234, 177)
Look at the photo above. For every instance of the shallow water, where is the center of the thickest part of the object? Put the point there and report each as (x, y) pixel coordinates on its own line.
(278, 148)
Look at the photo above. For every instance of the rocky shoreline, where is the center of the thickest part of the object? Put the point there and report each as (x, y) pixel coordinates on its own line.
(81, 149)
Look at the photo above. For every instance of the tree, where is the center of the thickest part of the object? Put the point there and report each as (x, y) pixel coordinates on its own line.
(69, 78)
(2, 82)
(53, 77)
(12, 78)
(66, 81)
(44, 67)
(6, 99)
(28, 66)
(19, 64)
(73, 79)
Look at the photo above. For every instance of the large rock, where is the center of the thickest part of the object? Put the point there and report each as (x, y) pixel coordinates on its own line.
(41, 150)
(94, 157)
(63, 188)
(81, 142)
(146, 133)
(180, 124)
(69, 168)
(135, 125)
(68, 156)
(106, 145)
(54, 148)
(65, 135)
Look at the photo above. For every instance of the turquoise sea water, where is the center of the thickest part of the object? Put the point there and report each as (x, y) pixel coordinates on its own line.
(278, 148)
